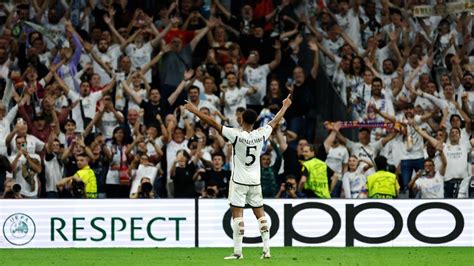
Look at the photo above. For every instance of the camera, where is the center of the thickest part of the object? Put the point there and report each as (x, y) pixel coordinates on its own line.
(288, 186)
(147, 187)
(210, 192)
(145, 191)
(78, 189)
(425, 173)
(16, 188)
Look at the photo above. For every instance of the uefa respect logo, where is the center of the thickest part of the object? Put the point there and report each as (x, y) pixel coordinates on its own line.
(19, 229)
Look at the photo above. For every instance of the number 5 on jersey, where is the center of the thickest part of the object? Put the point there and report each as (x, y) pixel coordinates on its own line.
(249, 154)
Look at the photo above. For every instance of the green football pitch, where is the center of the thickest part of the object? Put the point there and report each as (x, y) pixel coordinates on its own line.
(214, 256)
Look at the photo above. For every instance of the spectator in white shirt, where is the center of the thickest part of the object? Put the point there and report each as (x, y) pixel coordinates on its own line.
(430, 183)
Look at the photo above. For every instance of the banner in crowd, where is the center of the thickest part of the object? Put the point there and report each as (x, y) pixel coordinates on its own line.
(172, 223)
(443, 9)
(364, 124)
(97, 223)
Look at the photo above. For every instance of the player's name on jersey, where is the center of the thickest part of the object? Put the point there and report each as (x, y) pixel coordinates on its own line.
(251, 141)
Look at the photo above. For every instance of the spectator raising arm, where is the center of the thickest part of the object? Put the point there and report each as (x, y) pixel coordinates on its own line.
(95, 57)
(276, 61)
(164, 49)
(203, 32)
(205, 118)
(188, 74)
(313, 46)
(135, 97)
(286, 104)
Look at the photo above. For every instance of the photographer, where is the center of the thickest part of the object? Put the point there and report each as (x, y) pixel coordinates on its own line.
(288, 190)
(142, 170)
(430, 183)
(145, 190)
(211, 191)
(214, 178)
(12, 190)
(72, 187)
(25, 168)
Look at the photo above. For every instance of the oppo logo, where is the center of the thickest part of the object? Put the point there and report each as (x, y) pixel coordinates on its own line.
(290, 211)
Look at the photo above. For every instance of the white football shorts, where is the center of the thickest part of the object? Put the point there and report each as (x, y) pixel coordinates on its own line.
(240, 195)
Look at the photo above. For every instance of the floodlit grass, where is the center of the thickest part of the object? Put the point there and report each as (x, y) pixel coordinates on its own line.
(214, 256)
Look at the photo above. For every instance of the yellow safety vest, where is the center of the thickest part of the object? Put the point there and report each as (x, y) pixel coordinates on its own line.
(88, 177)
(382, 184)
(317, 181)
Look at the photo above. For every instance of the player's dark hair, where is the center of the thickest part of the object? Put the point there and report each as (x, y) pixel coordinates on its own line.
(249, 116)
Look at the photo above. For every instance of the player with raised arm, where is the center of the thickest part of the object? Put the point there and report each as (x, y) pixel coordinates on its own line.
(245, 185)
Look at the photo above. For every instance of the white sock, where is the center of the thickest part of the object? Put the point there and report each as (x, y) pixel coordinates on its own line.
(238, 234)
(265, 232)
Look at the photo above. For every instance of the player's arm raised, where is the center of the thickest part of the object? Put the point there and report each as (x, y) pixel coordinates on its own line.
(207, 119)
(281, 113)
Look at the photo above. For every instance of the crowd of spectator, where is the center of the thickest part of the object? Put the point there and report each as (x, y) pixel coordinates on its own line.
(93, 92)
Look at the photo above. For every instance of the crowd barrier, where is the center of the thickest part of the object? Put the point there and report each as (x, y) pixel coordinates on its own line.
(207, 223)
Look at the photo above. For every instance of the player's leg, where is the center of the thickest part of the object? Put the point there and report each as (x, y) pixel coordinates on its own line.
(238, 229)
(255, 199)
(264, 228)
(237, 204)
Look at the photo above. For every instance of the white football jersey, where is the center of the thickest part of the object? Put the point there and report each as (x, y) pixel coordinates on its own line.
(247, 147)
